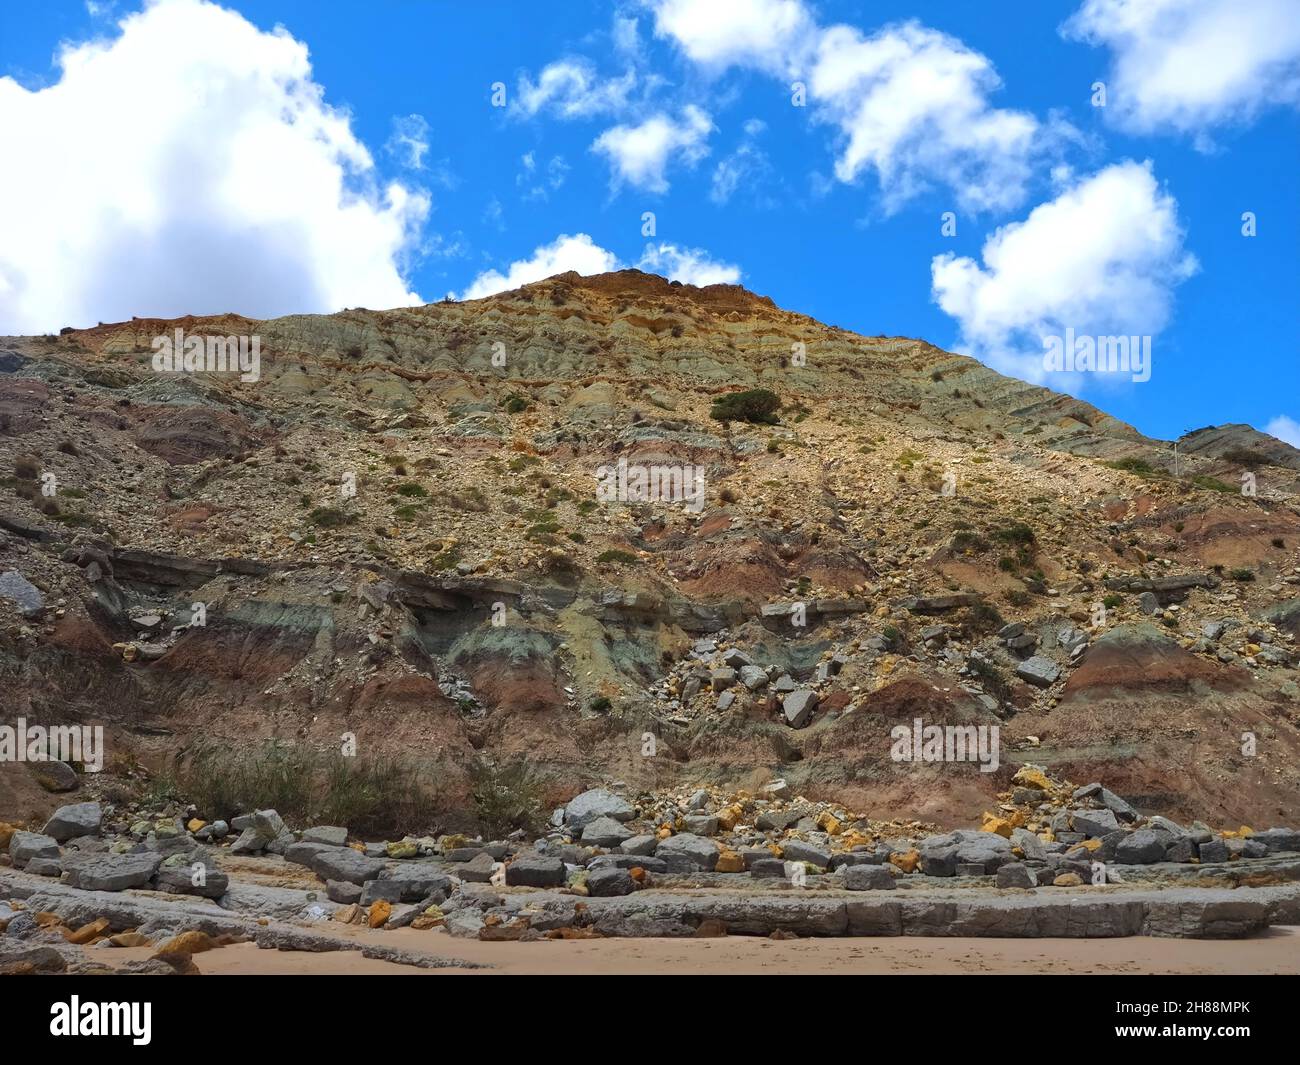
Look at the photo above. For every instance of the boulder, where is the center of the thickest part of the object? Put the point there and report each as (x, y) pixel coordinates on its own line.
(54, 775)
(70, 822)
(110, 872)
(24, 846)
(343, 863)
(1093, 823)
(798, 707)
(597, 803)
(1143, 847)
(1279, 840)
(1039, 671)
(417, 880)
(604, 832)
(642, 845)
(868, 878)
(1108, 799)
(1016, 875)
(536, 871)
(479, 869)
(603, 883)
(18, 589)
(688, 853)
(329, 834)
(185, 878)
(940, 855)
(797, 850)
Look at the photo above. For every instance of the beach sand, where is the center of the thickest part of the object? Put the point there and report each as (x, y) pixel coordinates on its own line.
(1276, 951)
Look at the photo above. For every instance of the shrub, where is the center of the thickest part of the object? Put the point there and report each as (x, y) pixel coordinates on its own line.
(1243, 575)
(615, 555)
(328, 517)
(411, 490)
(756, 405)
(303, 785)
(506, 797)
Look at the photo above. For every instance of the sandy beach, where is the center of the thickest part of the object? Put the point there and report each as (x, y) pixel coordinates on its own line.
(1275, 952)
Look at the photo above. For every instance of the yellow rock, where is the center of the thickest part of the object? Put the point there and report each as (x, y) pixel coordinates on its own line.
(730, 862)
(195, 824)
(87, 932)
(1068, 880)
(829, 823)
(729, 816)
(992, 823)
(1245, 831)
(191, 942)
(346, 915)
(1028, 776)
(1091, 844)
(380, 911)
(906, 860)
(663, 832)
(129, 939)
(1252, 648)
(853, 838)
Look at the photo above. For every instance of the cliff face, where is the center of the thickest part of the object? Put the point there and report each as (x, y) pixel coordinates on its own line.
(398, 530)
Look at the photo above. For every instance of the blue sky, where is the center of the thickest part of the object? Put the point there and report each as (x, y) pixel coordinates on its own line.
(397, 179)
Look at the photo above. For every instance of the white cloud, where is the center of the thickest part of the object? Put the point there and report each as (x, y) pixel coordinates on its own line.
(578, 252)
(216, 181)
(571, 88)
(746, 166)
(909, 104)
(410, 141)
(1190, 64)
(537, 185)
(1102, 258)
(639, 155)
(1285, 429)
(691, 266)
(770, 35)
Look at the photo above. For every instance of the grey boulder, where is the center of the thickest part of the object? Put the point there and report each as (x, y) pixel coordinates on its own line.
(78, 819)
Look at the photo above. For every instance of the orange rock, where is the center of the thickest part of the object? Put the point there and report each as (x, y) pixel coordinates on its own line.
(191, 942)
(636, 873)
(380, 911)
(129, 939)
(1068, 880)
(906, 860)
(730, 862)
(663, 832)
(86, 932)
(45, 919)
(992, 823)
(6, 834)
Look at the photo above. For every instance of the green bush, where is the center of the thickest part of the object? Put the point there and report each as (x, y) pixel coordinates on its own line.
(756, 405)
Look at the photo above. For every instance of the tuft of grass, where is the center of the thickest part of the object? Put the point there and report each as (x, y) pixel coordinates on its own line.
(377, 796)
(507, 796)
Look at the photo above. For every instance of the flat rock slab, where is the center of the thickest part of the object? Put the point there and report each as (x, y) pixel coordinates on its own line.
(110, 872)
(1188, 913)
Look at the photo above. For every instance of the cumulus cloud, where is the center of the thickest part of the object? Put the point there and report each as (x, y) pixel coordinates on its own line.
(691, 266)
(770, 35)
(639, 155)
(1187, 65)
(1285, 429)
(578, 252)
(1102, 258)
(571, 88)
(189, 164)
(909, 104)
